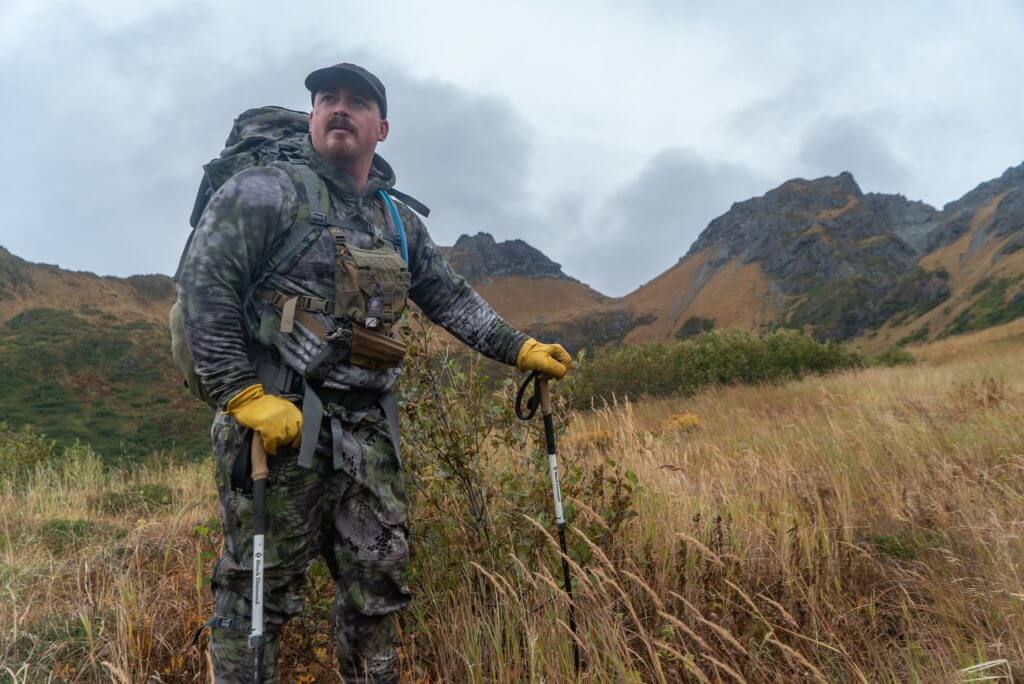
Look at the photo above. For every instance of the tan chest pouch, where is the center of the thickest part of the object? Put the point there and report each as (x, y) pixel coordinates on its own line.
(371, 290)
(371, 286)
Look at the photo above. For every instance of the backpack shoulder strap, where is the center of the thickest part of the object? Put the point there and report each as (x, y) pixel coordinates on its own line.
(311, 214)
(311, 192)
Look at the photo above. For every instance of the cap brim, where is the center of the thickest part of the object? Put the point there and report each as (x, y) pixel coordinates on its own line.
(329, 78)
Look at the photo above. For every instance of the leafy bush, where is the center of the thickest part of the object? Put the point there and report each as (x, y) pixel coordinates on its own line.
(711, 358)
(469, 507)
(21, 451)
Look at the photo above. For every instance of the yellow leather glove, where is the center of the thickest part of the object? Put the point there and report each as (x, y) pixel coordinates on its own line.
(277, 421)
(550, 359)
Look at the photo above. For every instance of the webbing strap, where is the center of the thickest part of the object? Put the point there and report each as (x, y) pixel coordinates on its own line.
(312, 414)
(338, 436)
(420, 208)
(288, 314)
(389, 404)
(184, 255)
(303, 311)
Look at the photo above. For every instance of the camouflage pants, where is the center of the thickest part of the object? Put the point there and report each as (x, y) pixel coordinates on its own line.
(354, 516)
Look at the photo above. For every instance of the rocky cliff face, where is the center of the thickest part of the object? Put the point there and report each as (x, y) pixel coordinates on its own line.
(479, 258)
(833, 250)
(1005, 197)
(846, 262)
(807, 232)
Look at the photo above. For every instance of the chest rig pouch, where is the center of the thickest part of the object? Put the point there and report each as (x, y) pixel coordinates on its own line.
(371, 289)
(371, 285)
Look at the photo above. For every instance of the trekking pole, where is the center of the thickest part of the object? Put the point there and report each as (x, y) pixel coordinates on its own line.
(543, 397)
(259, 529)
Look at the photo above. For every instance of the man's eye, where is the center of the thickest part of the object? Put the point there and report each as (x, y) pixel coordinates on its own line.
(327, 99)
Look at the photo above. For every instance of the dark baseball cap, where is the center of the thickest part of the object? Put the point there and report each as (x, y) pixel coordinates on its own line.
(329, 78)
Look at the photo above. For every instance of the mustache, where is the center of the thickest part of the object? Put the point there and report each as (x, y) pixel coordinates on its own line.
(341, 122)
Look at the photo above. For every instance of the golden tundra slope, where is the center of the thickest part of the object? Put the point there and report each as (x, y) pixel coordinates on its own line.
(25, 285)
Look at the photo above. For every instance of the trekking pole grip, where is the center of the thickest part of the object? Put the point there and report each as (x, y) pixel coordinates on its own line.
(260, 470)
(545, 396)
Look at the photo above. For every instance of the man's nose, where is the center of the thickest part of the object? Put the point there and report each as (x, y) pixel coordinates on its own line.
(339, 108)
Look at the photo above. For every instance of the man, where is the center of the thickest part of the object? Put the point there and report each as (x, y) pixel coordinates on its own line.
(323, 335)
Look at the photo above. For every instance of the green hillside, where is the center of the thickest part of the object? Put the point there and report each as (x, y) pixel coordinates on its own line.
(88, 376)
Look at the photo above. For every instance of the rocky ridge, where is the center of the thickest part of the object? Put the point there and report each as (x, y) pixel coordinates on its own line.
(845, 261)
(479, 257)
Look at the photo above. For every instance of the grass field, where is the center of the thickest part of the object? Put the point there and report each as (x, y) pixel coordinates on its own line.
(863, 526)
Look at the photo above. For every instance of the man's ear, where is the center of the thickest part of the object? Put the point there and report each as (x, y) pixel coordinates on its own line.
(384, 128)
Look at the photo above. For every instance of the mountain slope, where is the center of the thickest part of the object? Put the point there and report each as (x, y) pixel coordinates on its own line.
(86, 356)
(25, 285)
(978, 243)
(823, 256)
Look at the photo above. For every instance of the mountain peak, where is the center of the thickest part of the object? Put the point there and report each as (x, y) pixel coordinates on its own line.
(755, 226)
(480, 257)
(819, 191)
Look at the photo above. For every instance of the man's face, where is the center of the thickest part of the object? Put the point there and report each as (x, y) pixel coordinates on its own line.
(345, 125)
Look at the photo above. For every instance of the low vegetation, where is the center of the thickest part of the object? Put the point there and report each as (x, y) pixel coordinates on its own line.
(88, 376)
(993, 306)
(711, 358)
(859, 526)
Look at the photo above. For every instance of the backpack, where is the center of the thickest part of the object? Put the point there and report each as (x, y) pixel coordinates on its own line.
(261, 137)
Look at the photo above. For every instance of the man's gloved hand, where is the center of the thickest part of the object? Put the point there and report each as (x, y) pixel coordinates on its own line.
(277, 421)
(550, 359)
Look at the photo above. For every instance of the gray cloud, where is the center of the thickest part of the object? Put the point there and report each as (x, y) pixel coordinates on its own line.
(650, 222)
(465, 155)
(112, 107)
(109, 155)
(846, 143)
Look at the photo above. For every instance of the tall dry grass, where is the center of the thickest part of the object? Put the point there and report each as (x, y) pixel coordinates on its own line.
(867, 526)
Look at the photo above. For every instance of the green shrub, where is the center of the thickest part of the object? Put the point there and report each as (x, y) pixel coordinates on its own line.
(468, 507)
(21, 451)
(695, 325)
(893, 356)
(711, 358)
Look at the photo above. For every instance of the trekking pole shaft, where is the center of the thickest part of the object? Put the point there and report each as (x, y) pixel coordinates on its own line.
(260, 471)
(556, 491)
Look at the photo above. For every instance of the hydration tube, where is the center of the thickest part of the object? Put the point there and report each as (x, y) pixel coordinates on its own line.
(397, 220)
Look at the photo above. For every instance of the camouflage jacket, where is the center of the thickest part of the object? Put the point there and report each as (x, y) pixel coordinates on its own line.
(246, 220)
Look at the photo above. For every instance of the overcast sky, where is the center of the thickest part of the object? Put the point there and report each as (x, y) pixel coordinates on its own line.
(605, 134)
